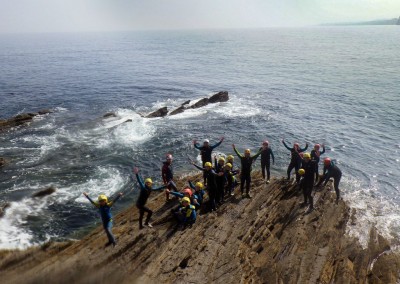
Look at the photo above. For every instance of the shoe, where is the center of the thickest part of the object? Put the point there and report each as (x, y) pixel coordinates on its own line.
(243, 195)
(267, 182)
(148, 225)
(304, 204)
(141, 227)
(108, 244)
(309, 210)
(232, 194)
(248, 195)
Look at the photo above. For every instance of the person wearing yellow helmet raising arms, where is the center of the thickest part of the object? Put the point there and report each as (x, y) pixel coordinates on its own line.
(146, 187)
(245, 171)
(105, 212)
(307, 172)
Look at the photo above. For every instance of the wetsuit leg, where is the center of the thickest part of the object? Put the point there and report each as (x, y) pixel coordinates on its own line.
(211, 195)
(297, 167)
(242, 180)
(309, 196)
(268, 170)
(263, 166)
(316, 173)
(248, 181)
(336, 186)
(289, 169)
(107, 228)
(171, 186)
(143, 209)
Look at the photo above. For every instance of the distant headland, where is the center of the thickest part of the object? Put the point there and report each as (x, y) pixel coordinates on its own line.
(394, 21)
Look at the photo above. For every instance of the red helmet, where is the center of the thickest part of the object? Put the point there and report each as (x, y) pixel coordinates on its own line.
(317, 146)
(327, 161)
(265, 142)
(187, 191)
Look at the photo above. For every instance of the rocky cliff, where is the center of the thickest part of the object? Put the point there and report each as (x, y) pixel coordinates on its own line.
(266, 239)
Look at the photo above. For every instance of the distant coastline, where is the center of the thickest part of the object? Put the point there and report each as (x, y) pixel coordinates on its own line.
(385, 22)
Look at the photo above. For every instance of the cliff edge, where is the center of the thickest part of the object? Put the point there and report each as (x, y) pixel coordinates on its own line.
(266, 239)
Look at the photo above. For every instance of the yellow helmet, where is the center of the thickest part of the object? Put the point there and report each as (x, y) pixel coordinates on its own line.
(148, 180)
(247, 151)
(301, 172)
(307, 155)
(230, 158)
(229, 165)
(208, 164)
(221, 159)
(102, 197)
(199, 185)
(186, 199)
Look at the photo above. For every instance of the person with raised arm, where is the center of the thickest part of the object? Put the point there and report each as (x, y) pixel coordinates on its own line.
(266, 155)
(246, 168)
(295, 159)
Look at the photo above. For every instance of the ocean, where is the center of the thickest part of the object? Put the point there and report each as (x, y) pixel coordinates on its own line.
(337, 86)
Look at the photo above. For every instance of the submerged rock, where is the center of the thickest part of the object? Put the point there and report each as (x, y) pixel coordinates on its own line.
(178, 110)
(158, 113)
(20, 119)
(219, 97)
(201, 103)
(45, 192)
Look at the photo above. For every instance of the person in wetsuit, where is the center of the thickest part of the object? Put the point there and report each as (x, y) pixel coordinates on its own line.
(167, 173)
(146, 187)
(219, 166)
(266, 154)
(245, 171)
(307, 181)
(105, 212)
(295, 159)
(210, 176)
(331, 171)
(206, 152)
(315, 156)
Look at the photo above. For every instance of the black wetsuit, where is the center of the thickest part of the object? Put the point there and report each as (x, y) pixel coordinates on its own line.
(295, 160)
(210, 176)
(307, 182)
(167, 173)
(220, 180)
(316, 157)
(266, 154)
(206, 153)
(332, 171)
(245, 171)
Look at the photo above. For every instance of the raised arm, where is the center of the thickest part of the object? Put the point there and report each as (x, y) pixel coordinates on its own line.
(236, 151)
(111, 203)
(323, 149)
(217, 144)
(272, 155)
(256, 155)
(196, 145)
(192, 186)
(305, 148)
(91, 200)
(284, 144)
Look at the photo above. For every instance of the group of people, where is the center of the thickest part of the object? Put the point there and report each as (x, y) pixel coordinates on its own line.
(220, 179)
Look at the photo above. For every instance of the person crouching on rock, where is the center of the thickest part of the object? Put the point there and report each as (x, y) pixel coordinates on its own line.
(187, 192)
(186, 215)
(167, 173)
(245, 171)
(210, 176)
(105, 212)
(307, 172)
(295, 159)
(331, 171)
(198, 195)
(146, 187)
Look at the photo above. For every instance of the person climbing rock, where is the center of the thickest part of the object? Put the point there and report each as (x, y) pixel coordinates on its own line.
(331, 171)
(210, 176)
(167, 173)
(146, 187)
(307, 172)
(105, 212)
(295, 159)
(266, 155)
(186, 215)
(246, 168)
(315, 155)
(220, 179)
(206, 152)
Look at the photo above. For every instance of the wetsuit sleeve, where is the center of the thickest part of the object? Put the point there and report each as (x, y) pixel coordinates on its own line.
(302, 150)
(177, 194)
(215, 163)
(115, 200)
(237, 153)
(140, 181)
(164, 174)
(191, 185)
(256, 155)
(284, 144)
(272, 155)
(197, 146)
(160, 188)
(216, 145)
(200, 168)
(233, 173)
(91, 201)
(323, 150)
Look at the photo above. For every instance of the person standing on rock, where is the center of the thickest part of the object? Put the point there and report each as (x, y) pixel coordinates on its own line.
(331, 171)
(167, 173)
(210, 176)
(219, 166)
(245, 171)
(315, 156)
(146, 187)
(206, 152)
(307, 182)
(105, 212)
(295, 159)
(266, 154)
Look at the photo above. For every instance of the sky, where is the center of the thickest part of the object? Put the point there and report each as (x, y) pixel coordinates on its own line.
(26, 16)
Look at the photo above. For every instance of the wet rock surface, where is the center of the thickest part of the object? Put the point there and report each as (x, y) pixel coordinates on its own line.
(265, 239)
(47, 191)
(21, 119)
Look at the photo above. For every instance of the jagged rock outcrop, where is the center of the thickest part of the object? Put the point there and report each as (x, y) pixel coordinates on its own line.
(158, 113)
(21, 119)
(47, 191)
(266, 239)
(219, 97)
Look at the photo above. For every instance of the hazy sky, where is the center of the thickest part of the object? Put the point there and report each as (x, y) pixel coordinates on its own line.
(106, 15)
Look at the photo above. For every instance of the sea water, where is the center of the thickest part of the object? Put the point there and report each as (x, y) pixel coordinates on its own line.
(337, 86)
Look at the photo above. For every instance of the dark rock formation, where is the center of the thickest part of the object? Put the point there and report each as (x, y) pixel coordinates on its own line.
(158, 113)
(219, 97)
(20, 119)
(3, 208)
(109, 114)
(45, 192)
(186, 103)
(3, 162)
(178, 110)
(266, 239)
(201, 103)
